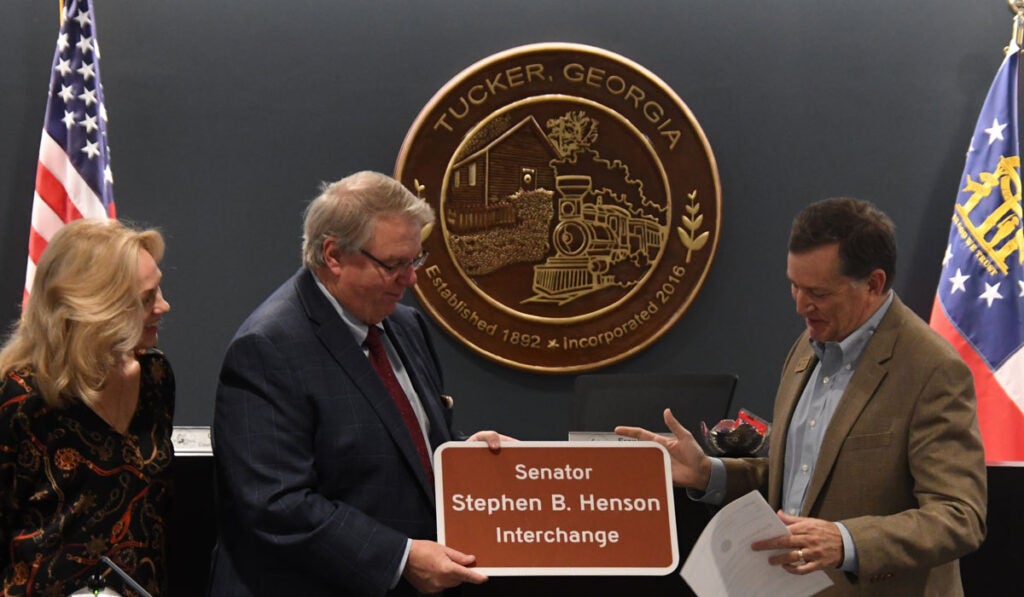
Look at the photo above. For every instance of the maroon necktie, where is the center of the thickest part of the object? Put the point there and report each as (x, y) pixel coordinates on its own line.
(379, 359)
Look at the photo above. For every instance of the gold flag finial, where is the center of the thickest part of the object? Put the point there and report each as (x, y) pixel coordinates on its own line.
(1017, 6)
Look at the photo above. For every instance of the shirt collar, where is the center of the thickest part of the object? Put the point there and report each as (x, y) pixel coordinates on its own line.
(853, 345)
(357, 327)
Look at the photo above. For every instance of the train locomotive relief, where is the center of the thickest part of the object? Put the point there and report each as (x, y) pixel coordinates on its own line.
(590, 238)
(521, 198)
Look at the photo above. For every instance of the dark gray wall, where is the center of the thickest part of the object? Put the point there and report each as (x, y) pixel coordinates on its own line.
(224, 117)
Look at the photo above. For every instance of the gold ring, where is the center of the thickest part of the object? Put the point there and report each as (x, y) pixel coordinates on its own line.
(800, 554)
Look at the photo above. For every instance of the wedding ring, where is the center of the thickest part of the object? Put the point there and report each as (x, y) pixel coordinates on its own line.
(800, 559)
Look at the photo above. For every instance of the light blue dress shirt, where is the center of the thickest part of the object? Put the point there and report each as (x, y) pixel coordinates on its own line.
(837, 362)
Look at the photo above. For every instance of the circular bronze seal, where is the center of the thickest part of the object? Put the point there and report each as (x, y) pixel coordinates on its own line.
(578, 206)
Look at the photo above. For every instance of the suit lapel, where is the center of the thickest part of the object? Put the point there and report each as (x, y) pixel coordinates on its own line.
(335, 335)
(799, 367)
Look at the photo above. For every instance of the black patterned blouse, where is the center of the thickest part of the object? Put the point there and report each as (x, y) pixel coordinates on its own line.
(72, 489)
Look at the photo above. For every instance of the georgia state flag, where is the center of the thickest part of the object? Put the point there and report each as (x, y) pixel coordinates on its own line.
(979, 300)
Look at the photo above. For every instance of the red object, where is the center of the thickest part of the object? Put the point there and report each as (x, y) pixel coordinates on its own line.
(751, 419)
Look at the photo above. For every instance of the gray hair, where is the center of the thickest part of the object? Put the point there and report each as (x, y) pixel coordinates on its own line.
(347, 209)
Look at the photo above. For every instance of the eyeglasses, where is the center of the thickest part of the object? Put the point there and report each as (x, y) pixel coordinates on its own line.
(394, 270)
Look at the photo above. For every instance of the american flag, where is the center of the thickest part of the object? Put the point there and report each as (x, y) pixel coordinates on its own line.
(979, 304)
(73, 177)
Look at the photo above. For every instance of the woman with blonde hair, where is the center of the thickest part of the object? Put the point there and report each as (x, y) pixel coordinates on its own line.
(86, 409)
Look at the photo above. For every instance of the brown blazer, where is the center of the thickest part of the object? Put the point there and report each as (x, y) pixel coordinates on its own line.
(901, 464)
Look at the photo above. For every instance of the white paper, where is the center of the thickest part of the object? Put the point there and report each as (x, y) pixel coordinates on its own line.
(722, 564)
(605, 436)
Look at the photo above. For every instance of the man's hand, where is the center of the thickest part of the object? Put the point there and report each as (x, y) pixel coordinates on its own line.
(691, 467)
(493, 439)
(433, 567)
(813, 544)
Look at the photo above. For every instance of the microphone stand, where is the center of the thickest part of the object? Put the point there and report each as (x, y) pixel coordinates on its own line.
(127, 579)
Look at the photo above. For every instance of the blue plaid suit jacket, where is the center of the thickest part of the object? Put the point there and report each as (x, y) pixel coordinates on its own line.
(319, 485)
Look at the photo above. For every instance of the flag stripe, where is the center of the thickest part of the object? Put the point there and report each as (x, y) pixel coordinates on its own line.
(1010, 379)
(36, 244)
(999, 418)
(30, 272)
(52, 193)
(85, 200)
(45, 221)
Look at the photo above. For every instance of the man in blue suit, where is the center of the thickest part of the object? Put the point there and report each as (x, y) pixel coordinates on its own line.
(324, 485)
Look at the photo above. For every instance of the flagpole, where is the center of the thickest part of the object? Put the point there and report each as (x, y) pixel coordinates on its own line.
(61, 3)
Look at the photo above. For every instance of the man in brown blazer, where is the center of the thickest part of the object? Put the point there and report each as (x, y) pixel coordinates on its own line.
(875, 461)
